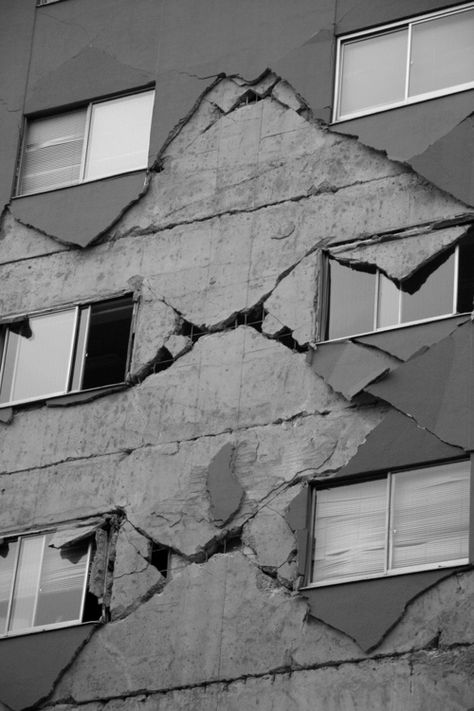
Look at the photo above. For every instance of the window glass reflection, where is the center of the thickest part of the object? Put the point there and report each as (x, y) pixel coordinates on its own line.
(352, 300)
(434, 296)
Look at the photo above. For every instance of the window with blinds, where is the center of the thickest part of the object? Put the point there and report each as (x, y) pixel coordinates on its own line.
(42, 587)
(405, 62)
(405, 522)
(102, 139)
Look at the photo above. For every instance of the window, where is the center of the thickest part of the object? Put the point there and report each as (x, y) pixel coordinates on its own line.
(104, 138)
(362, 301)
(42, 586)
(74, 349)
(404, 522)
(405, 62)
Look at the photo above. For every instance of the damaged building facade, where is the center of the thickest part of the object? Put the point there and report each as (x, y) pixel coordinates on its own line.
(237, 375)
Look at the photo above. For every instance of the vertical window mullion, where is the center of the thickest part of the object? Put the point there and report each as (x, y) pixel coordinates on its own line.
(40, 568)
(85, 143)
(456, 279)
(337, 83)
(400, 293)
(388, 534)
(407, 69)
(376, 302)
(79, 348)
(71, 350)
(12, 588)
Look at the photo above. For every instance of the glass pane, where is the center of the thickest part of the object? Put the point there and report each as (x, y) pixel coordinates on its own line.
(26, 584)
(39, 363)
(430, 520)
(351, 301)
(53, 151)
(107, 346)
(388, 302)
(350, 530)
(442, 53)
(61, 583)
(434, 295)
(373, 72)
(8, 551)
(119, 135)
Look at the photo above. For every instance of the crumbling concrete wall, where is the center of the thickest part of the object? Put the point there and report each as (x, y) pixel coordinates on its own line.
(227, 416)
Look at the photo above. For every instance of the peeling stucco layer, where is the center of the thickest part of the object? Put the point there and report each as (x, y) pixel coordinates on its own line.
(224, 420)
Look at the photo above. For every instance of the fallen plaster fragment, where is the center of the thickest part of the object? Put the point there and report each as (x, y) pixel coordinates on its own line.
(414, 338)
(271, 539)
(285, 94)
(177, 345)
(297, 516)
(283, 230)
(225, 492)
(349, 368)
(397, 442)
(134, 576)
(445, 372)
(399, 257)
(227, 94)
(366, 610)
(155, 322)
(293, 301)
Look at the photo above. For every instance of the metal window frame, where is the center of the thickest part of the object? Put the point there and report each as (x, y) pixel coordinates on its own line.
(20, 537)
(85, 146)
(74, 356)
(389, 571)
(343, 40)
(324, 328)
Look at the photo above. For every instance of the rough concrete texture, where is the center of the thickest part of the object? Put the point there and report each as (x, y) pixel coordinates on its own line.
(399, 257)
(247, 196)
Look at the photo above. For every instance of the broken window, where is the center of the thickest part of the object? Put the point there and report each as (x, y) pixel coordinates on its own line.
(44, 581)
(74, 349)
(405, 62)
(404, 522)
(359, 301)
(101, 139)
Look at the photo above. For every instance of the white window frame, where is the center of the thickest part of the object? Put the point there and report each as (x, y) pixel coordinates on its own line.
(388, 571)
(16, 568)
(381, 30)
(74, 355)
(400, 323)
(85, 148)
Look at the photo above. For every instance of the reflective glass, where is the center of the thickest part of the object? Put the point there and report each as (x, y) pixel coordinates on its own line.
(38, 365)
(350, 530)
(388, 302)
(373, 72)
(61, 583)
(434, 296)
(352, 301)
(26, 583)
(119, 135)
(442, 53)
(430, 515)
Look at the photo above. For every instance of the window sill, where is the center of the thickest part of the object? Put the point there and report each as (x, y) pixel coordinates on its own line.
(48, 628)
(65, 399)
(460, 564)
(113, 176)
(398, 326)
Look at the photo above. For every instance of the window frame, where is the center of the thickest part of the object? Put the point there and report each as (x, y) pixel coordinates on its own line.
(325, 296)
(43, 532)
(389, 572)
(384, 29)
(73, 351)
(88, 108)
